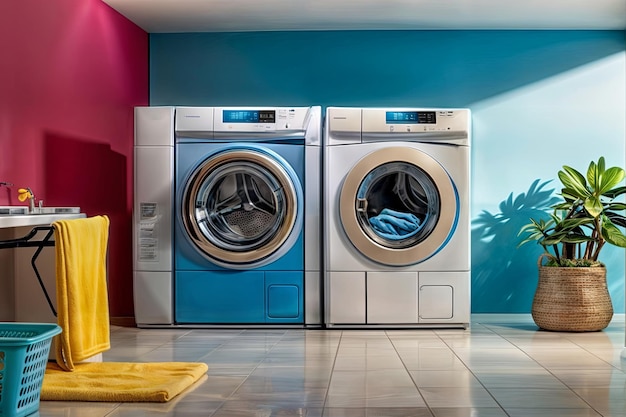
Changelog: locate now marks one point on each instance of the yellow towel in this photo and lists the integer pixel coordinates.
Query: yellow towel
(120, 381)
(82, 301)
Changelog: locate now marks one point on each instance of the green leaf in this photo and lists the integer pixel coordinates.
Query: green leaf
(576, 239)
(563, 206)
(612, 234)
(615, 206)
(609, 179)
(593, 205)
(574, 182)
(531, 238)
(555, 237)
(594, 172)
(615, 192)
(588, 203)
(552, 240)
(616, 219)
(568, 225)
(536, 230)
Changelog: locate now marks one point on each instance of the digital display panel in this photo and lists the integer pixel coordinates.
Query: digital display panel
(411, 117)
(249, 116)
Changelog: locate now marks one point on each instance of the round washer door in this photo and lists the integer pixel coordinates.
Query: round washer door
(398, 206)
(242, 208)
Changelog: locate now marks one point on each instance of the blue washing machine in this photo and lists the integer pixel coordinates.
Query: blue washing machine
(245, 228)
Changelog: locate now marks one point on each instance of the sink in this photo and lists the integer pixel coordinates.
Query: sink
(23, 210)
(18, 216)
(13, 210)
(56, 210)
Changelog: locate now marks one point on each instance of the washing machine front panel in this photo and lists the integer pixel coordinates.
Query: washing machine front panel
(398, 206)
(351, 134)
(202, 289)
(241, 207)
(408, 266)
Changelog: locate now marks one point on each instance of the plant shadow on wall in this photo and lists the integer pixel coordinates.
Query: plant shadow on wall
(501, 270)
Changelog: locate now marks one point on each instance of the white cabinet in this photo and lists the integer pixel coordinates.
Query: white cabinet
(347, 298)
(444, 298)
(391, 297)
(399, 298)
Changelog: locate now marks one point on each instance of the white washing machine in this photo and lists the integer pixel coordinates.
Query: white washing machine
(397, 232)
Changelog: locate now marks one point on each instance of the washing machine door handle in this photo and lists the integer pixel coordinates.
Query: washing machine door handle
(250, 196)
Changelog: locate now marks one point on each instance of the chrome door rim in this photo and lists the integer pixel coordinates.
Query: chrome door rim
(289, 224)
(420, 251)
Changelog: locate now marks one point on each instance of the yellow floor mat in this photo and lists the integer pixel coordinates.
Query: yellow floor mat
(120, 381)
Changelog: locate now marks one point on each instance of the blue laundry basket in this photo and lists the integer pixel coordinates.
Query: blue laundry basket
(24, 349)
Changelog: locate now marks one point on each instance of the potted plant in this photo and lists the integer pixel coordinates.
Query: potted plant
(572, 293)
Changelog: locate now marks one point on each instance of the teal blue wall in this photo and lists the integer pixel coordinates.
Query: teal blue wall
(539, 99)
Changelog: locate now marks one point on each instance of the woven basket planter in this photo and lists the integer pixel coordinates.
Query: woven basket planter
(572, 299)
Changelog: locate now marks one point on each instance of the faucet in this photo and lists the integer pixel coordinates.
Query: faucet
(6, 184)
(31, 201)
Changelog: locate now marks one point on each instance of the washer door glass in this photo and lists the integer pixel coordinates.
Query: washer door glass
(241, 207)
(398, 206)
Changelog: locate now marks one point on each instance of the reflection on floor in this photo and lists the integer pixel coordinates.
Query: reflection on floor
(502, 366)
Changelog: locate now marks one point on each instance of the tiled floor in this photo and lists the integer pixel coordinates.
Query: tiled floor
(502, 366)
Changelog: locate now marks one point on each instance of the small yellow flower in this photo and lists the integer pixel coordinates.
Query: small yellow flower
(23, 194)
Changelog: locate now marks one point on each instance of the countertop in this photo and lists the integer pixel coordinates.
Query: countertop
(35, 219)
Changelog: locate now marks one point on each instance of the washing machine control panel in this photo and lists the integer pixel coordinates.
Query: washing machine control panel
(204, 122)
(411, 117)
(249, 116)
(409, 121)
(356, 125)
(242, 119)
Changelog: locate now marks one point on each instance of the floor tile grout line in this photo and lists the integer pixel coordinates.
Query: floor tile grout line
(332, 371)
(551, 373)
(226, 400)
(512, 335)
(111, 412)
(430, 410)
(472, 372)
(591, 353)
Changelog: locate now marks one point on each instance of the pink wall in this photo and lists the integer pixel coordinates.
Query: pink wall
(71, 72)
